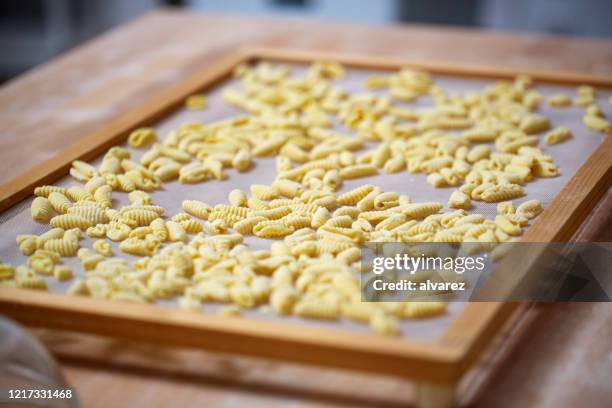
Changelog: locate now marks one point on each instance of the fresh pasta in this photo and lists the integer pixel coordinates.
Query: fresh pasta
(314, 214)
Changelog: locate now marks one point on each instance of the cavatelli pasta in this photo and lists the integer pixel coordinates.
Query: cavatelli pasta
(141, 216)
(264, 192)
(64, 247)
(191, 226)
(283, 299)
(506, 225)
(272, 213)
(176, 232)
(76, 193)
(59, 202)
(530, 209)
(387, 200)
(94, 215)
(228, 213)
(358, 171)
(82, 171)
(384, 324)
(506, 208)
(459, 199)
(135, 246)
(103, 195)
(141, 137)
(117, 231)
(271, 229)
(41, 209)
(417, 310)
(67, 221)
(62, 273)
(44, 191)
(502, 193)
(421, 210)
(287, 188)
(316, 309)
(102, 247)
(557, 135)
(95, 183)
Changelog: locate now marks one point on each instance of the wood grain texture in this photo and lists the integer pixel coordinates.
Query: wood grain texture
(276, 340)
(116, 130)
(41, 104)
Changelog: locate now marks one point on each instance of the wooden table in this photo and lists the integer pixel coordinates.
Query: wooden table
(563, 360)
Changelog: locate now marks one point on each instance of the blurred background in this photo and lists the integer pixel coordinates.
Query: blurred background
(32, 31)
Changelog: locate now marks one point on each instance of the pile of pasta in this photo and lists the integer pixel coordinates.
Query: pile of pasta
(484, 144)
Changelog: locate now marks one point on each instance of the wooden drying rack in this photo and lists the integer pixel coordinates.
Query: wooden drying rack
(437, 367)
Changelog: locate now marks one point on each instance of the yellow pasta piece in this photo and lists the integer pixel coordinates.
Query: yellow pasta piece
(271, 229)
(286, 188)
(238, 198)
(82, 171)
(67, 221)
(59, 202)
(117, 231)
(387, 200)
(283, 299)
(102, 247)
(597, 123)
(137, 246)
(358, 171)
(421, 210)
(196, 102)
(140, 216)
(459, 199)
(502, 193)
(64, 247)
(138, 197)
(41, 209)
(27, 279)
(176, 232)
(76, 193)
(45, 191)
(94, 215)
(530, 209)
(559, 101)
(417, 310)
(385, 325)
(158, 226)
(142, 137)
(191, 226)
(507, 226)
(62, 272)
(264, 192)
(557, 135)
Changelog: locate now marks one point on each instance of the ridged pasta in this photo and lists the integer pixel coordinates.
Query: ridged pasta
(417, 310)
(264, 192)
(44, 191)
(530, 209)
(67, 221)
(272, 229)
(64, 247)
(358, 171)
(59, 202)
(41, 209)
(94, 215)
(502, 193)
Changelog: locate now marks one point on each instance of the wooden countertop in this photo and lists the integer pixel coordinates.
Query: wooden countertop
(563, 360)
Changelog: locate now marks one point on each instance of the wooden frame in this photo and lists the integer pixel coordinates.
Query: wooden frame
(438, 366)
